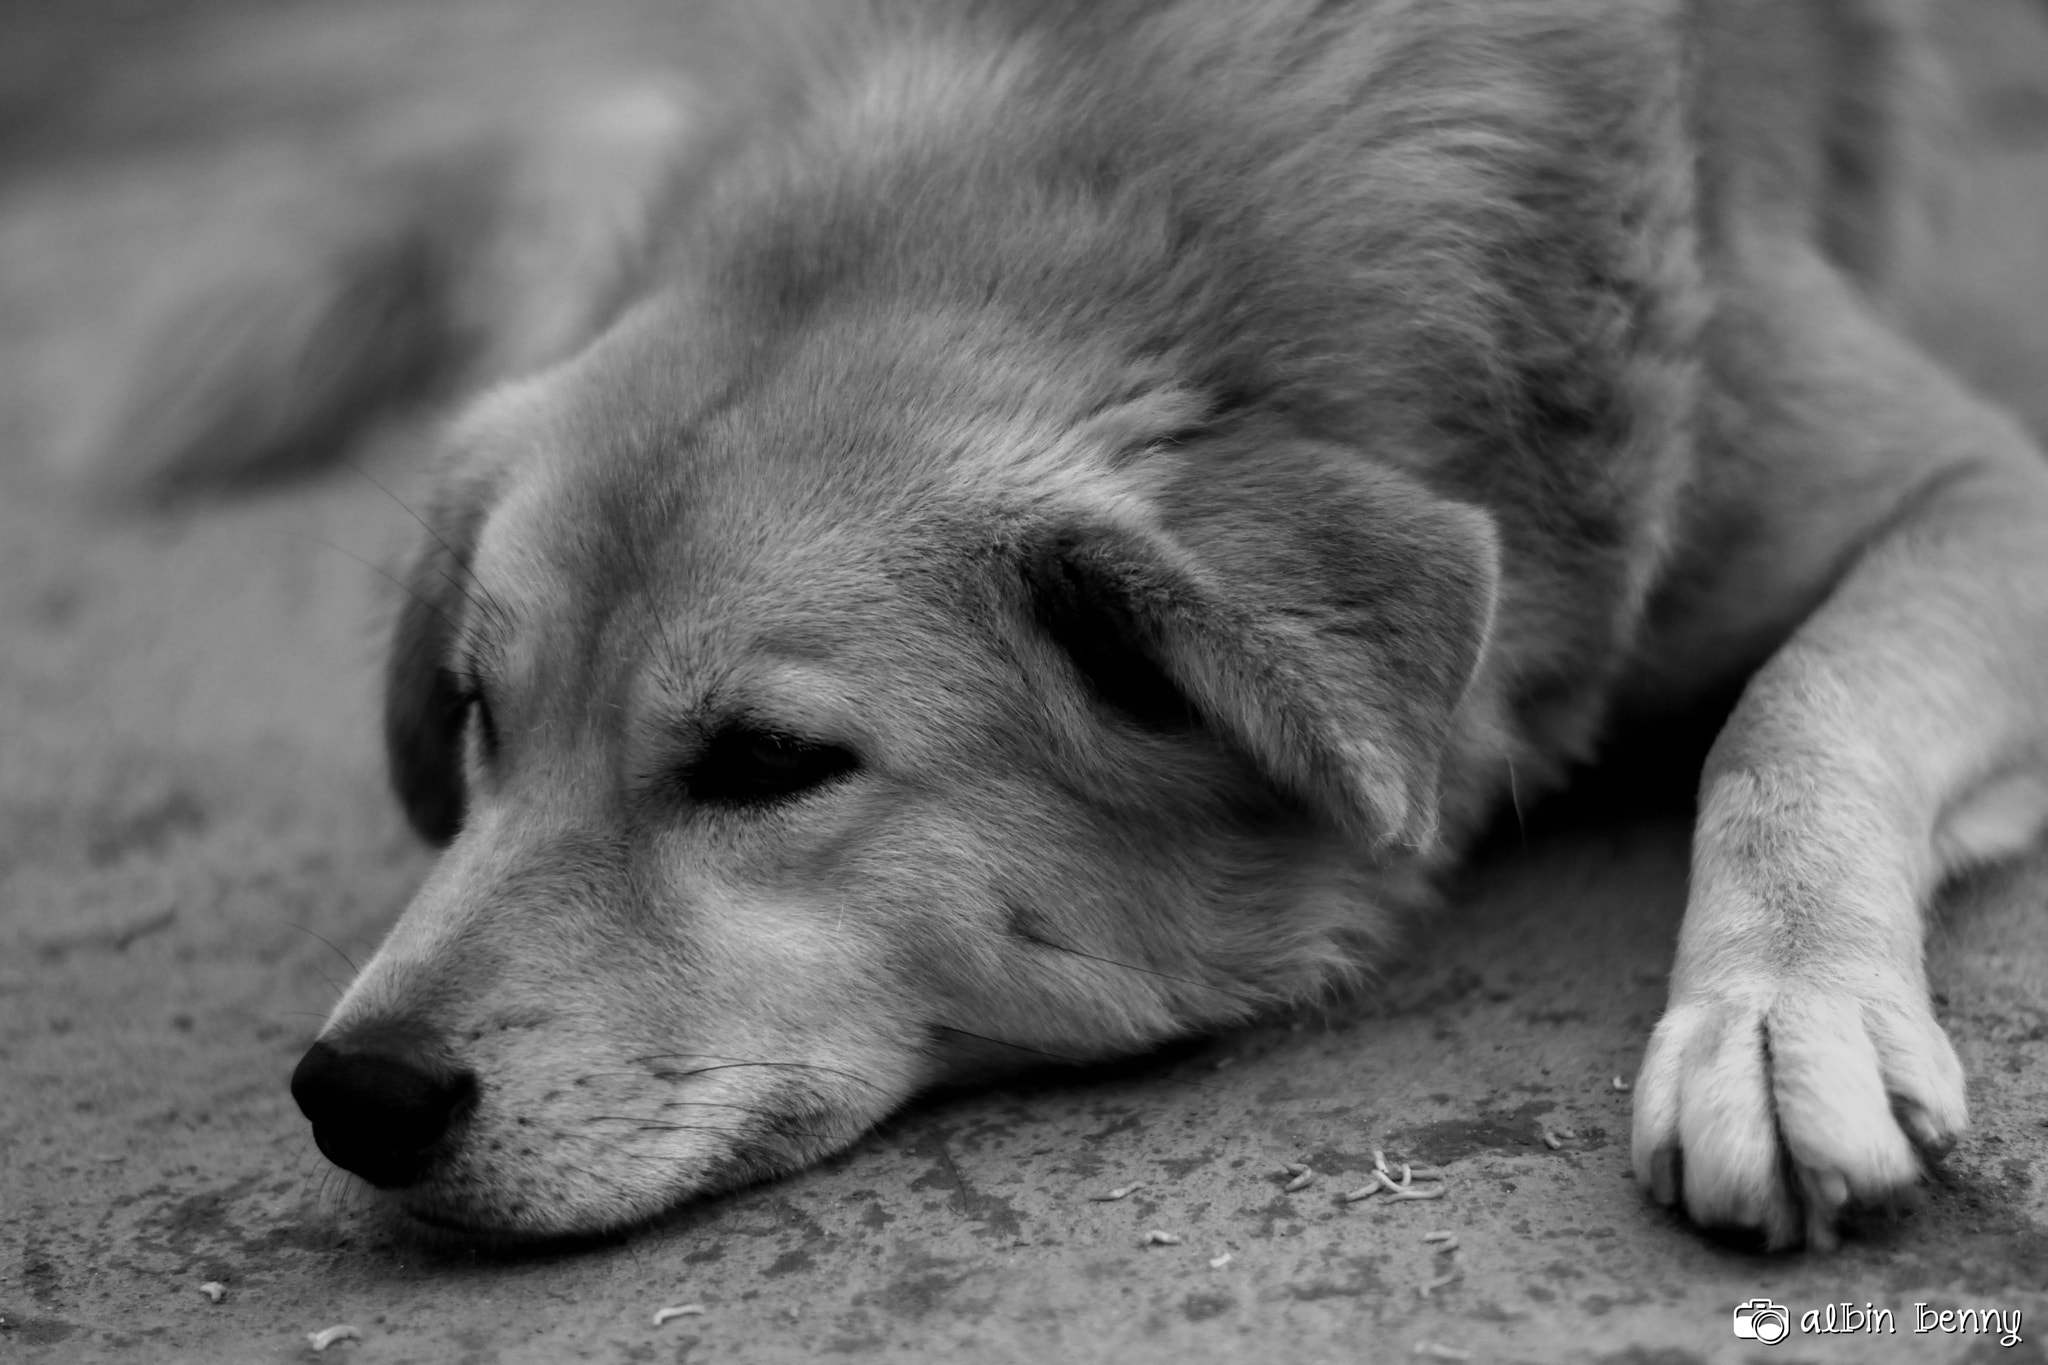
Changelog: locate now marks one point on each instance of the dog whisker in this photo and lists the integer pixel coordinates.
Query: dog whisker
(730, 1064)
(337, 952)
(1021, 1047)
(660, 1158)
(572, 1135)
(713, 1104)
(488, 603)
(382, 573)
(648, 1124)
(622, 1076)
(643, 1126)
(1043, 942)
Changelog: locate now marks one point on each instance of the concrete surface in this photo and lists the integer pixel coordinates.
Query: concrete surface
(194, 841)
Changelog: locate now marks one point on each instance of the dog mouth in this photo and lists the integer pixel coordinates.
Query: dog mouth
(489, 1188)
(513, 1160)
(563, 1194)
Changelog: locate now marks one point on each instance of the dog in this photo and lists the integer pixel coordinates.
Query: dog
(1041, 528)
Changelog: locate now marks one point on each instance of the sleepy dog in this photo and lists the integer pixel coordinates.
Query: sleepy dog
(1045, 528)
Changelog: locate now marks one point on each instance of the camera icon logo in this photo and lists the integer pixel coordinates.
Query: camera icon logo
(1762, 1320)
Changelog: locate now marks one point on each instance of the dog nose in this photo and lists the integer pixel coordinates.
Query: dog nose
(377, 1113)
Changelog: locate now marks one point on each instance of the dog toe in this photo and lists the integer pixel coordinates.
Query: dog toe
(1780, 1112)
(1665, 1180)
(1933, 1136)
(1654, 1149)
(1704, 1135)
(1924, 1078)
(1825, 1195)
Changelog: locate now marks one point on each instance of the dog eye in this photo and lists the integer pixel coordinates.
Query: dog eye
(742, 766)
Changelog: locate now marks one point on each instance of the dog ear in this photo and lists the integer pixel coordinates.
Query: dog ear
(424, 706)
(1323, 614)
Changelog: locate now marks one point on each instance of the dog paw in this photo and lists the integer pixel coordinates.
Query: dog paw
(1775, 1109)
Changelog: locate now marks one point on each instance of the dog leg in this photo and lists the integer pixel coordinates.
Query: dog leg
(1901, 733)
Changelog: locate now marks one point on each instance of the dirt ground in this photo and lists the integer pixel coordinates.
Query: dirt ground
(195, 841)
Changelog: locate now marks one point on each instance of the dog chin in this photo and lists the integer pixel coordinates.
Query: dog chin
(439, 1229)
(525, 1208)
(434, 1218)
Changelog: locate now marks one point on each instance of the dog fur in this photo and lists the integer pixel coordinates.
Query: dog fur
(1040, 532)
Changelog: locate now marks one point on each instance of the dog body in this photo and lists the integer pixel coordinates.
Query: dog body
(1044, 534)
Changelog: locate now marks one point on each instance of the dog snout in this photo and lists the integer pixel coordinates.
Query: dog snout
(378, 1111)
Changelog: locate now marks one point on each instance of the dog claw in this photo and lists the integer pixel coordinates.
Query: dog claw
(1932, 1139)
(1825, 1196)
(1820, 1226)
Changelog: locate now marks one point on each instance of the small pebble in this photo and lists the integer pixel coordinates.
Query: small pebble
(1156, 1238)
(1218, 1262)
(1118, 1193)
(214, 1290)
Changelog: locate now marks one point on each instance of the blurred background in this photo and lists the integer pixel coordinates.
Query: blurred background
(195, 841)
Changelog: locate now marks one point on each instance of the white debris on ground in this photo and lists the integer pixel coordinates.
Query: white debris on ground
(1383, 1182)
(327, 1336)
(684, 1310)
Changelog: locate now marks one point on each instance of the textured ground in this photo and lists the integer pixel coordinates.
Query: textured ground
(194, 838)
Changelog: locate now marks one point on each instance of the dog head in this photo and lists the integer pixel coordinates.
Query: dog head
(875, 718)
